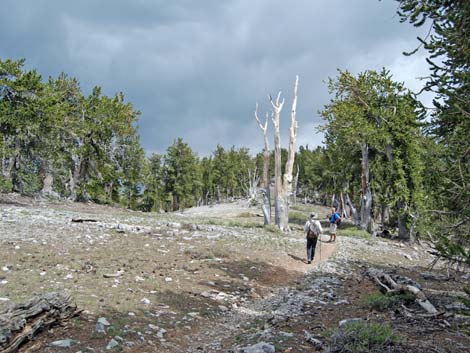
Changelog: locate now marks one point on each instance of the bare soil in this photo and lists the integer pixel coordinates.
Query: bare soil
(209, 279)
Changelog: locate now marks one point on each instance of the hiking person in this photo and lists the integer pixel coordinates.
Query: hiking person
(313, 230)
(335, 219)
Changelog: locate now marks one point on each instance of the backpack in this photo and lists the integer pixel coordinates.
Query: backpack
(339, 220)
(313, 231)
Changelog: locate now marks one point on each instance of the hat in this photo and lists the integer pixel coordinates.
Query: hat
(313, 215)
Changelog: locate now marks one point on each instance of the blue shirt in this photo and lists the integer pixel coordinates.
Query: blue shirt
(334, 217)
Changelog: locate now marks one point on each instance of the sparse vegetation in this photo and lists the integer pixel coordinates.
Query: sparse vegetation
(362, 336)
(383, 302)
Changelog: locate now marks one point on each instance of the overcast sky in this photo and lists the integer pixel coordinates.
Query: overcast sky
(195, 69)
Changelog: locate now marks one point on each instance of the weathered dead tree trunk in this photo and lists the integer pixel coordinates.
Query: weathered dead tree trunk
(353, 209)
(253, 181)
(22, 322)
(283, 184)
(278, 201)
(366, 199)
(265, 182)
(388, 285)
(296, 185)
(344, 214)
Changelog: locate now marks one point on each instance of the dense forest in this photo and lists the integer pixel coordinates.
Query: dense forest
(387, 159)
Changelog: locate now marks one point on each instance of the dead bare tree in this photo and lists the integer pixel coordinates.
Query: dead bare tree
(253, 181)
(265, 182)
(283, 184)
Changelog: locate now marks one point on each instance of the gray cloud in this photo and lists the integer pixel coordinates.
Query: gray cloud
(195, 69)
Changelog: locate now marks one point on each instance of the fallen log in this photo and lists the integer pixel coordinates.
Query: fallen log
(390, 286)
(83, 220)
(446, 293)
(21, 322)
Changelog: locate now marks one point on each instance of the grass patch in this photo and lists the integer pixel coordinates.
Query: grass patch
(297, 217)
(353, 232)
(381, 302)
(361, 336)
(246, 215)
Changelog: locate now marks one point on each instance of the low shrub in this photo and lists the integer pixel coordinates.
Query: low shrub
(383, 302)
(362, 336)
(297, 217)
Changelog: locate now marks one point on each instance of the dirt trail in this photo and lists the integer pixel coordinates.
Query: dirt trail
(209, 279)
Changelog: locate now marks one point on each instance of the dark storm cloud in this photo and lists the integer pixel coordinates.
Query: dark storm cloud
(195, 69)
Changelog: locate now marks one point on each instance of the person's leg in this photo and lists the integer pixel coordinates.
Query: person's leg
(332, 232)
(314, 245)
(309, 250)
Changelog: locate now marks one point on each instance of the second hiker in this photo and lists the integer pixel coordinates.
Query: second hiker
(313, 230)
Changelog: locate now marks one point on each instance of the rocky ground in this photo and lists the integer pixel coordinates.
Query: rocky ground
(212, 279)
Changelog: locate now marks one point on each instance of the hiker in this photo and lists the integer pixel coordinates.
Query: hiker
(334, 221)
(313, 230)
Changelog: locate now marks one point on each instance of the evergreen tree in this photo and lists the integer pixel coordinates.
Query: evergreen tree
(448, 45)
(181, 175)
(372, 121)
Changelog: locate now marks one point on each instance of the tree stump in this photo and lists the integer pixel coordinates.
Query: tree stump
(20, 323)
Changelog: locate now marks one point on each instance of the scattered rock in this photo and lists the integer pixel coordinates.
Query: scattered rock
(67, 343)
(112, 344)
(145, 301)
(312, 340)
(261, 347)
(223, 308)
(348, 321)
(139, 279)
(113, 275)
(161, 332)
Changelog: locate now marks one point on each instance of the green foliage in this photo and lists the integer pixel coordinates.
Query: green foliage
(383, 302)
(181, 176)
(448, 168)
(87, 146)
(373, 110)
(353, 232)
(297, 217)
(361, 336)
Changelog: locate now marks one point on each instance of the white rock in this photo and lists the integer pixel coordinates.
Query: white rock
(103, 321)
(145, 301)
(168, 279)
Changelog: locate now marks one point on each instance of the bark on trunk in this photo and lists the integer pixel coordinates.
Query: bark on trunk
(48, 179)
(343, 208)
(74, 177)
(22, 322)
(278, 205)
(266, 207)
(403, 231)
(366, 200)
(283, 184)
(387, 284)
(265, 182)
(354, 213)
(296, 185)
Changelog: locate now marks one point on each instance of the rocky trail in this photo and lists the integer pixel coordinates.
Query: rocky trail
(212, 279)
